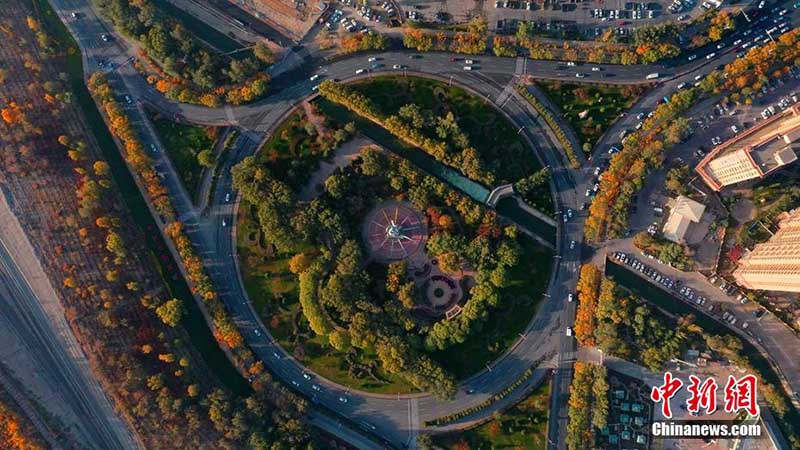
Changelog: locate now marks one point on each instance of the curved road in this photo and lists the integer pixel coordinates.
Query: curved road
(397, 419)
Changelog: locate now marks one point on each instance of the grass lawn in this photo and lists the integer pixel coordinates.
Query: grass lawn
(182, 143)
(489, 132)
(602, 104)
(518, 305)
(524, 426)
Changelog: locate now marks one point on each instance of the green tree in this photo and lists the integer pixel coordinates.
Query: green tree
(170, 312)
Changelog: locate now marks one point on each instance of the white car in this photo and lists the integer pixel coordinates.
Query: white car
(343, 399)
(711, 55)
(580, 75)
(570, 297)
(569, 331)
(570, 64)
(257, 332)
(227, 197)
(691, 57)
(306, 376)
(154, 148)
(468, 61)
(224, 223)
(467, 67)
(572, 245)
(372, 59)
(596, 69)
(314, 77)
(397, 66)
(360, 71)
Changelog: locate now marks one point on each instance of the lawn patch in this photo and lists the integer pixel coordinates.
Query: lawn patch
(590, 109)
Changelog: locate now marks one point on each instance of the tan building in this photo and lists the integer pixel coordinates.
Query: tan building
(683, 211)
(755, 152)
(774, 265)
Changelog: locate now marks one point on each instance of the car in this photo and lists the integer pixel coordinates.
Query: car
(316, 387)
(372, 59)
(105, 37)
(470, 391)
(314, 77)
(570, 64)
(153, 148)
(595, 187)
(588, 192)
(711, 55)
(596, 69)
(128, 99)
(572, 245)
(224, 223)
(343, 399)
(569, 212)
(397, 66)
(467, 67)
(640, 116)
(737, 42)
(580, 75)
(699, 77)
(276, 355)
(360, 71)
(613, 149)
(745, 325)
(315, 88)
(295, 384)
(735, 129)
(257, 332)
(74, 15)
(691, 58)
(469, 61)
(761, 4)
(570, 297)
(597, 171)
(569, 331)
(720, 46)
(565, 218)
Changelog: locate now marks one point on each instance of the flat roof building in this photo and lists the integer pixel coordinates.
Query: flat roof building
(683, 211)
(774, 265)
(755, 152)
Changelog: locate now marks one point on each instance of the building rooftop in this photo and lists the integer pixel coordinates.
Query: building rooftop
(683, 211)
(755, 152)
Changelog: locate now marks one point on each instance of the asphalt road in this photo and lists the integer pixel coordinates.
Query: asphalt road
(397, 419)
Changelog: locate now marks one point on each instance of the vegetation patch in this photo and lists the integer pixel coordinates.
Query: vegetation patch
(190, 148)
(590, 109)
(523, 426)
(323, 282)
(569, 150)
(450, 124)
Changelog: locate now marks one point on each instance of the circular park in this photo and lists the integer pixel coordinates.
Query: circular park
(366, 264)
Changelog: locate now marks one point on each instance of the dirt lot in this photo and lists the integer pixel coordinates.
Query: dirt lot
(293, 19)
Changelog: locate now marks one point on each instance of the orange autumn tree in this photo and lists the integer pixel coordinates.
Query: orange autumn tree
(13, 435)
(588, 285)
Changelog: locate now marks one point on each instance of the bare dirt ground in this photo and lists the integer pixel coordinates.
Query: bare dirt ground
(292, 19)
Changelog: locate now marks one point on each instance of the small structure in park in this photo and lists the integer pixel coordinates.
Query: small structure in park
(396, 231)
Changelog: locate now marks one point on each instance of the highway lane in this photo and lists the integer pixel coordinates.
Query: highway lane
(98, 428)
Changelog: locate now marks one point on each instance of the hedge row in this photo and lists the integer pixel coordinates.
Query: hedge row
(485, 404)
(569, 150)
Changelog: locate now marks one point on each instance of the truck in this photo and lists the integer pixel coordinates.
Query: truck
(651, 76)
